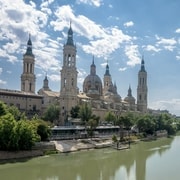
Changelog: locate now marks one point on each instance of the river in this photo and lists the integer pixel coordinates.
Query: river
(155, 160)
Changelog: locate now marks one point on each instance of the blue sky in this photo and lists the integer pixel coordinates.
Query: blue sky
(117, 31)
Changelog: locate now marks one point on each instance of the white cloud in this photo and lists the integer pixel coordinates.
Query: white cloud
(110, 6)
(152, 48)
(172, 105)
(178, 57)
(104, 64)
(133, 54)
(128, 24)
(96, 3)
(168, 44)
(54, 77)
(171, 41)
(107, 43)
(10, 58)
(80, 24)
(177, 30)
(169, 48)
(1, 70)
(123, 69)
(2, 82)
(17, 20)
(101, 41)
(81, 76)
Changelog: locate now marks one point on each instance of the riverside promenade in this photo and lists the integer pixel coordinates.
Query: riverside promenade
(81, 144)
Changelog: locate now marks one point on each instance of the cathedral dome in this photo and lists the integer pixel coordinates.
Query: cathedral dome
(130, 99)
(92, 85)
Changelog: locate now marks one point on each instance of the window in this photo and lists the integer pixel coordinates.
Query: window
(34, 107)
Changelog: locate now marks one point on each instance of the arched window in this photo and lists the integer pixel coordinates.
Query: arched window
(30, 86)
(140, 97)
(69, 60)
(64, 82)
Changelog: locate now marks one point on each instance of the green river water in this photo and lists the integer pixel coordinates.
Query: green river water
(155, 160)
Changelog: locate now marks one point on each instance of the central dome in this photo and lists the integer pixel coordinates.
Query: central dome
(92, 85)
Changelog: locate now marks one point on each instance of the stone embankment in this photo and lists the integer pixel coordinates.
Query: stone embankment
(38, 150)
(83, 144)
(8, 155)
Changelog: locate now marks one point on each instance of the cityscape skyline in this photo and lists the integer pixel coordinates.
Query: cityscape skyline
(111, 31)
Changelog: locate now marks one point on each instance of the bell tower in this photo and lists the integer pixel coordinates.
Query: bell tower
(108, 85)
(68, 90)
(28, 77)
(142, 89)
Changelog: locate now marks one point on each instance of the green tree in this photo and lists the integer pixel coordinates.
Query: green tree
(43, 130)
(75, 112)
(92, 124)
(52, 113)
(146, 124)
(85, 113)
(3, 109)
(8, 138)
(16, 113)
(126, 121)
(110, 117)
(27, 135)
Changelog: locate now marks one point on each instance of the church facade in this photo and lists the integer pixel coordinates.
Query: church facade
(101, 95)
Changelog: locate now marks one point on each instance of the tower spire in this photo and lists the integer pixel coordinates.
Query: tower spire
(142, 89)
(93, 67)
(142, 64)
(70, 36)
(129, 91)
(28, 77)
(29, 47)
(107, 70)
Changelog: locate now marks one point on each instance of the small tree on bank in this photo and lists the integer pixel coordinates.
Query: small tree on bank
(85, 113)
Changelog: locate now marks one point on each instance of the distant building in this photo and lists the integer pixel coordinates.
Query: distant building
(25, 100)
(102, 97)
(49, 96)
(142, 89)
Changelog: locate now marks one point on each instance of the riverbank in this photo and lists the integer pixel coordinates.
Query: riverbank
(40, 149)
(64, 146)
(7, 155)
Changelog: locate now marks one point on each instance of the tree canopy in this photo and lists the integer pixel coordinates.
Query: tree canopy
(18, 133)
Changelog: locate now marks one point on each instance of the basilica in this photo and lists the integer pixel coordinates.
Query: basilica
(101, 95)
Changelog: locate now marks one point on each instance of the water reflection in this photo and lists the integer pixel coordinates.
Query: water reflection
(104, 164)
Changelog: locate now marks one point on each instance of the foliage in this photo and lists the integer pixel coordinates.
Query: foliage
(110, 117)
(7, 133)
(52, 113)
(3, 108)
(151, 123)
(21, 134)
(85, 113)
(126, 121)
(43, 131)
(92, 124)
(146, 124)
(75, 112)
(16, 113)
(26, 135)
(114, 138)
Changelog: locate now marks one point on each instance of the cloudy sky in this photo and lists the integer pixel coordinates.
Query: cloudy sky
(119, 32)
